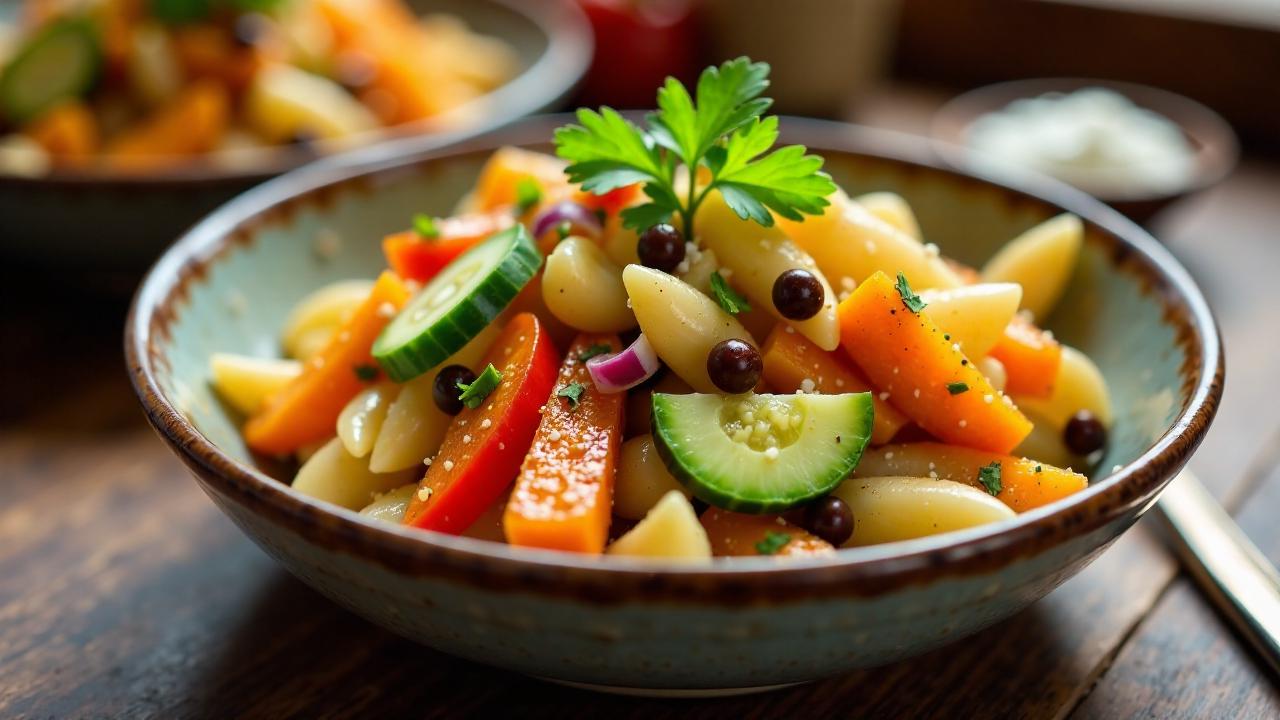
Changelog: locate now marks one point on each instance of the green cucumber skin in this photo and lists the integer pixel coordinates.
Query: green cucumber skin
(431, 346)
(18, 111)
(681, 467)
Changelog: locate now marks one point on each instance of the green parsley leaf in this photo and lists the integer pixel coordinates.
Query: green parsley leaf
(593, 350)
(773, 542)
(956, 388)
(989, 476)
(909, 298)
(573, 393)
(474, 394)
(425, 226)
(1039, 469)
(562, 230)
(721, 130)
(528, 194)
(729, 299)
(366, 373)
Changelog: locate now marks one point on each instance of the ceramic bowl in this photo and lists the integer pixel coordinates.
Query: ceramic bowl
(100, 218)
(741, 623)
(1211, 138)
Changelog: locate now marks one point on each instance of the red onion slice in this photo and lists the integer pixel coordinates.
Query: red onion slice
(582, 220)
(625, 370)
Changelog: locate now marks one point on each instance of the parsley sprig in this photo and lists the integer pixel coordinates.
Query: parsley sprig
(721, 130)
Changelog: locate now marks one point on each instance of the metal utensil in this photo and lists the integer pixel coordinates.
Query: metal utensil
(1226, 565)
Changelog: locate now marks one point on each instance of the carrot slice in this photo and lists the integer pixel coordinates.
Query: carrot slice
(1031, 358)
(484, 446)
(1025, 483)
(68, 132)
(564, 493)
(414, 257)
(508, 166)
(923, 373)
(735, 534)
(192, 123)
(790, 359)
(307, 409)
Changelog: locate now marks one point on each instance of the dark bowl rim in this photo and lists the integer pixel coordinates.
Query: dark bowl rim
(548, 80)
(1189, 112)
(1122, 496)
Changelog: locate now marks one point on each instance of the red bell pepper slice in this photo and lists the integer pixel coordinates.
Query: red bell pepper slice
(414, 257)
(484, 447)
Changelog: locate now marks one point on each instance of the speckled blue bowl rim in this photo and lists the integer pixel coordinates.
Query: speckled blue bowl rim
(869, 571)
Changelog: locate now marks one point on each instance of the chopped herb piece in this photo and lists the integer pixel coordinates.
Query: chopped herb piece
(425, 226)
(1039, 469)
(573, 393)
(719, 128)
(528, 194)
(909, 298)
(956, 388)
(562, 230)
(989, 476)
(773, 542)
(593, 350)
(729, 299)
(475, 393)
(366, 373)
(946, 336)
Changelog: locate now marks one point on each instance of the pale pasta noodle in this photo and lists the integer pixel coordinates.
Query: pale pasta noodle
(975, 316)
(681, 323)
(583, 288)
(888, 509)
(757, 255)
(1041, 260)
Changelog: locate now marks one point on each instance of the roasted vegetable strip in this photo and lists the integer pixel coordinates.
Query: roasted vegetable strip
(564, 493)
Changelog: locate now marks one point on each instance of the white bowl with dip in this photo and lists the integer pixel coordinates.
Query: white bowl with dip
(1137, 148)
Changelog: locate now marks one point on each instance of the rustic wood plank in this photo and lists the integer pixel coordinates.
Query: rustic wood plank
(1183, 661)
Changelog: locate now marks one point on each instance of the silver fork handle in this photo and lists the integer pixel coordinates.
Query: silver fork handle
(1226, 565)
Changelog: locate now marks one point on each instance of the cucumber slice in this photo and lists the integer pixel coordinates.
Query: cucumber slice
(457, 304)
(761, 453)
(58, 63)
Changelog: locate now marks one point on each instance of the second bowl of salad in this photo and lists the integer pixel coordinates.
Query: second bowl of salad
(675, 403)
(122, 121)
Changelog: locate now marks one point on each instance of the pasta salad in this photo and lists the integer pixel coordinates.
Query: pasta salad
(142, 84)
(673, 340)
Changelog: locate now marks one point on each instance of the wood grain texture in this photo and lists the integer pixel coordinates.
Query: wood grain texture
(124, 592)
(1184, 661)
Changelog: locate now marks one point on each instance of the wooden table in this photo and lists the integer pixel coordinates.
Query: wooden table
(125, 593)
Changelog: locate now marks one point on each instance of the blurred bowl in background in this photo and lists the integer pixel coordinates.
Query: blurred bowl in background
(111, 219)
(825, 54)
(1211, 144)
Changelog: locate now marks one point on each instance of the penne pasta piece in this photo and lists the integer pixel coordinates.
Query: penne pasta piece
(415, 425)
(847, 241)
(893, 209)
(362, 418)
(583, 288)
(1041, 260)
(319, 314)
(245, 382)
(1024, 483)
(681, 323)
(642, 479)
(893, 508)
(670, 531)
(975, 316)
(334, 475)
(390, 506)
(757, 255)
